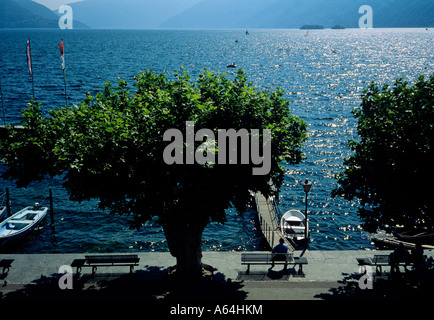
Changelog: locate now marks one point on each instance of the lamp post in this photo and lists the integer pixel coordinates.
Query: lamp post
(306, 187)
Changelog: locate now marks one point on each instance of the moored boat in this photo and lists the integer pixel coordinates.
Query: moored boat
(293, 226)
(21, 223)
(389, 243)
(422, 236)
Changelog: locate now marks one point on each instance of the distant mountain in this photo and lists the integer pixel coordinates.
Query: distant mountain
(295, 13)
(28, 14)
(128, 14)
(141, 14)
(225, 14)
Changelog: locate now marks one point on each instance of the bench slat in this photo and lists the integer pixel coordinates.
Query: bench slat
(264, 258)
(112, 259)
(106, 261)
(383, 260)
(267, 258)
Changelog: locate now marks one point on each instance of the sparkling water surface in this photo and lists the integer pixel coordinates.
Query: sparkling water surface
(322, 73)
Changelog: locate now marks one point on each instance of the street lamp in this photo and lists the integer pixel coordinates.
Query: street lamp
(306, 187)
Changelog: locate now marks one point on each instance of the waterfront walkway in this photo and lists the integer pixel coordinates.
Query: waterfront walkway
(329, 275)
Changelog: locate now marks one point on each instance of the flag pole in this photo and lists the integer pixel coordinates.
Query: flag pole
(29, 62)
(62, 58)
(33, 89)
(64, 80)
(33, 83)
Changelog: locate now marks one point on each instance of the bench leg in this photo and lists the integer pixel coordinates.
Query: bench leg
(378, 270)
(248, 269)
(77, 270)
(93, 270)
(131, 269)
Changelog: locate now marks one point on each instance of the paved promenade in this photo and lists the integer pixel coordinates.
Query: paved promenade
(328, 275)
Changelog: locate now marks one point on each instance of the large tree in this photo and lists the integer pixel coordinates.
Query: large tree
(391, 170)
(112, 147)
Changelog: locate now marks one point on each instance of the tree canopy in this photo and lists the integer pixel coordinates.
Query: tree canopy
(391, 169)
(110, 147)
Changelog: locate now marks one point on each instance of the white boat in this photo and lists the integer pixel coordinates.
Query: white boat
(21, 223)
(293, 225)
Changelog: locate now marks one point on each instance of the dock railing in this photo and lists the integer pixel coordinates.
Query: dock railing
(267, 211)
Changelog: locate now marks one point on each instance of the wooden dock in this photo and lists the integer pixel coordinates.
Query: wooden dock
(269, 221)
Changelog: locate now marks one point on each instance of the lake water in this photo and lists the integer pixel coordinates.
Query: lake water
(323, 73)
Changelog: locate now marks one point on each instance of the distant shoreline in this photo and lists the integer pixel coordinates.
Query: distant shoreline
(210, 29)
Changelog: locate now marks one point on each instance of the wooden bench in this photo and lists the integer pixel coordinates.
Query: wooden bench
(104, 260)
(6, 264)
(259, 258)
(383, 260)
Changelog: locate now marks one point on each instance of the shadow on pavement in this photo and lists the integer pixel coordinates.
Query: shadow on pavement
(269, 275)
(401, 286)
(151, 284)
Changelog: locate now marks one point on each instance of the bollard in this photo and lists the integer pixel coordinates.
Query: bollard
(51, 208)
(8, 203)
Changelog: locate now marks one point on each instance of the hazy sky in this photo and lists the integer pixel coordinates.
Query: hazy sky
(55, 4)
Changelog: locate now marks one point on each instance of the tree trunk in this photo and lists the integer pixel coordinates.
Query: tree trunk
(185, 244)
